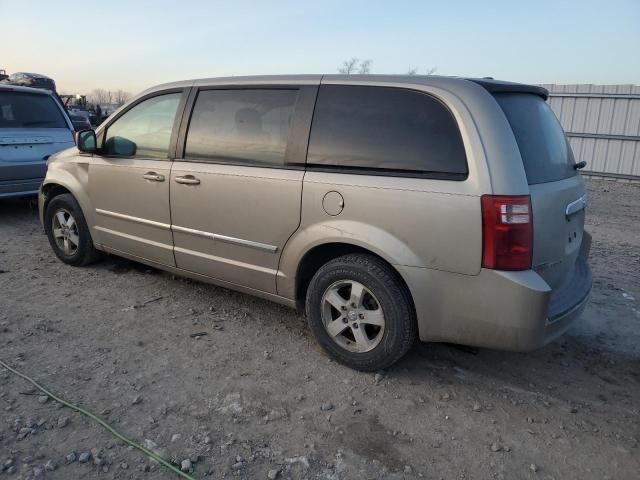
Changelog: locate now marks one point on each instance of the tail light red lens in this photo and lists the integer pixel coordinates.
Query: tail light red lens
(507, 232)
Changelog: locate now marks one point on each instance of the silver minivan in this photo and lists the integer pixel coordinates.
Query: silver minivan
(388, 208)
(33, 126)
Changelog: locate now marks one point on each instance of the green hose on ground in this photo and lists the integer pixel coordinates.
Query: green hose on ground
(114, 432)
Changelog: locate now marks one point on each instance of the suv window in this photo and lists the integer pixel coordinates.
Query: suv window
(145, 130)
(385, 129)
(28, 110)
(241, 126)
(545, 151)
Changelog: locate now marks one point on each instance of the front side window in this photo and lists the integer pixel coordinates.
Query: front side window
(247, 126)
(28, 110)
(383, 129)
(145, 130)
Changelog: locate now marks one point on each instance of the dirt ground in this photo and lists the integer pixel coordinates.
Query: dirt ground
(256, 398)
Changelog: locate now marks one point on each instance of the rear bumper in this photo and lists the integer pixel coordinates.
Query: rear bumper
(18, 188)
(21, 178)
(571, 294)
(514, 311)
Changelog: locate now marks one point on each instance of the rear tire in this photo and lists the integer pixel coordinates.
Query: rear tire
(68, 233)
(360, 312)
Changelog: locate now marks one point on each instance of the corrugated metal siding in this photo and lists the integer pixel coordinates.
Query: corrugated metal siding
(603, 125)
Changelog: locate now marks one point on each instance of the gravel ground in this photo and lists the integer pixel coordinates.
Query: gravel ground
(256, 398)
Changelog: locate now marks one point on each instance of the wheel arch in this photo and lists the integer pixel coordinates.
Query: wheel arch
(317, 256)
(51, 190)
(65, 183)
(334, 237)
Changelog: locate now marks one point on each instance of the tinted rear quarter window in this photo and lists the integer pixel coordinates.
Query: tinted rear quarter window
(545, 152)
(28, 110)
(382, 129)
(245, 126)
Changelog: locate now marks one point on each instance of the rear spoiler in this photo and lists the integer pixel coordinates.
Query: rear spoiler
(499, 86)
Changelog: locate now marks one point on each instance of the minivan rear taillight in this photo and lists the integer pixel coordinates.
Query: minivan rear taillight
(507, 232)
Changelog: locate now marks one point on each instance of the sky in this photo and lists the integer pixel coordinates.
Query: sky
(132, 45)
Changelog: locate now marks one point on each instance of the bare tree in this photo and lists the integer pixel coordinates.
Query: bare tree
(349, 66)
(121, 97)
(353, 65)
(98, 96)
(414, 71)
(365, 67)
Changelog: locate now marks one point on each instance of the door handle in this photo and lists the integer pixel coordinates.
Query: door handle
(188, 180)
(153, 176)
(576, 206)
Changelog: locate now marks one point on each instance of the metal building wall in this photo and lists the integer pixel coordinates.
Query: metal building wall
(602, 123)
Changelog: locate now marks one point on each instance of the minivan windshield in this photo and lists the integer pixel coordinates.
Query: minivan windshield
(544, 149)
(29, 110)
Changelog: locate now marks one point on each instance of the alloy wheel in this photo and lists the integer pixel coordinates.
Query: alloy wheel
(65, 231)
(352, 316)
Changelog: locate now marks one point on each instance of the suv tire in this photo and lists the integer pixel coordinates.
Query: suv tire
(68, 233)
(360, 312)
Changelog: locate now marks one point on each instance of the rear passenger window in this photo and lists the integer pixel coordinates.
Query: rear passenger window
(384, 129)
(245, 126)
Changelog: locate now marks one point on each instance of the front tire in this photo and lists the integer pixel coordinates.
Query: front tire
(360, 312)
(68, 233)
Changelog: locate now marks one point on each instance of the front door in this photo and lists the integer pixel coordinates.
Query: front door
(235, 196)
(129, 181)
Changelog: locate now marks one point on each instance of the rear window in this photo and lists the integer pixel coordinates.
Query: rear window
(365, 129)
(544, 149)
(27, 110)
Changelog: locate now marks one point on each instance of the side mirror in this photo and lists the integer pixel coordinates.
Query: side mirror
(119, 147)
(86, 141)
